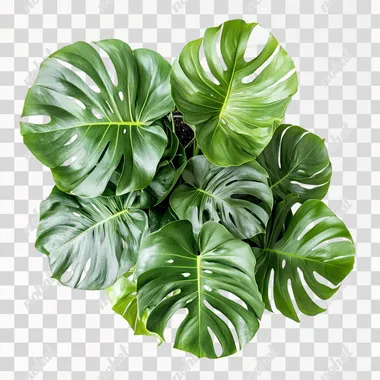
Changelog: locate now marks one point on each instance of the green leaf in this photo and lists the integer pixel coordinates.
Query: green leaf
(114, 126)
(173, 142)
(297, 162)
(316, 241)
(233, 103)
(163, 182)
(169, 171)
(123, 297)
(159, 217)
(175, 272)
(238, 197)
(278, 222)
(90, 242)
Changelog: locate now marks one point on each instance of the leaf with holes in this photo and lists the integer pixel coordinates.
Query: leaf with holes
(123, 297)
(133, 214)
(316, 244)
(92, 131)
(238, 197)
(177, 272)
(235, 101)
(90, 242)
(297, 162)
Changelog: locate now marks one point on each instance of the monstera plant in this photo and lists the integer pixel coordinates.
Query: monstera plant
(179, 189)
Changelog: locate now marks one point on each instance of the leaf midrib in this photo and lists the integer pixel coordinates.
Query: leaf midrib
(292, 255)
(105, 123)
(92, 227)
(293, 169)
(228, 93)
(204, 192)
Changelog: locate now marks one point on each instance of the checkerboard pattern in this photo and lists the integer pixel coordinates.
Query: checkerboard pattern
(51, 332)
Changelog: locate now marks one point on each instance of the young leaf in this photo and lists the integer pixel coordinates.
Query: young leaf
(297, 162)
(238, 197)
(159, 217)
(175, 271)
(163, 182)
(90, 242)
(173, 141)
(123, 297)
(234, 108)
(91, 132)
(316, 241)
(168, 172)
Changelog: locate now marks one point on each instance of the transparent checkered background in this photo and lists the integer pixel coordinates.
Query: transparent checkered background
(335, 46)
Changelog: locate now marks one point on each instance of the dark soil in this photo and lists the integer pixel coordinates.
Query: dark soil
(183, 131)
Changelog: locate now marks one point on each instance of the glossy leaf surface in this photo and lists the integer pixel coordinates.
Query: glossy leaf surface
(175, 272)
(234, 103)
(315, 243)
(94, 130)
(123, 297)
(237, 197)
(297, 162)
(90, 242)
